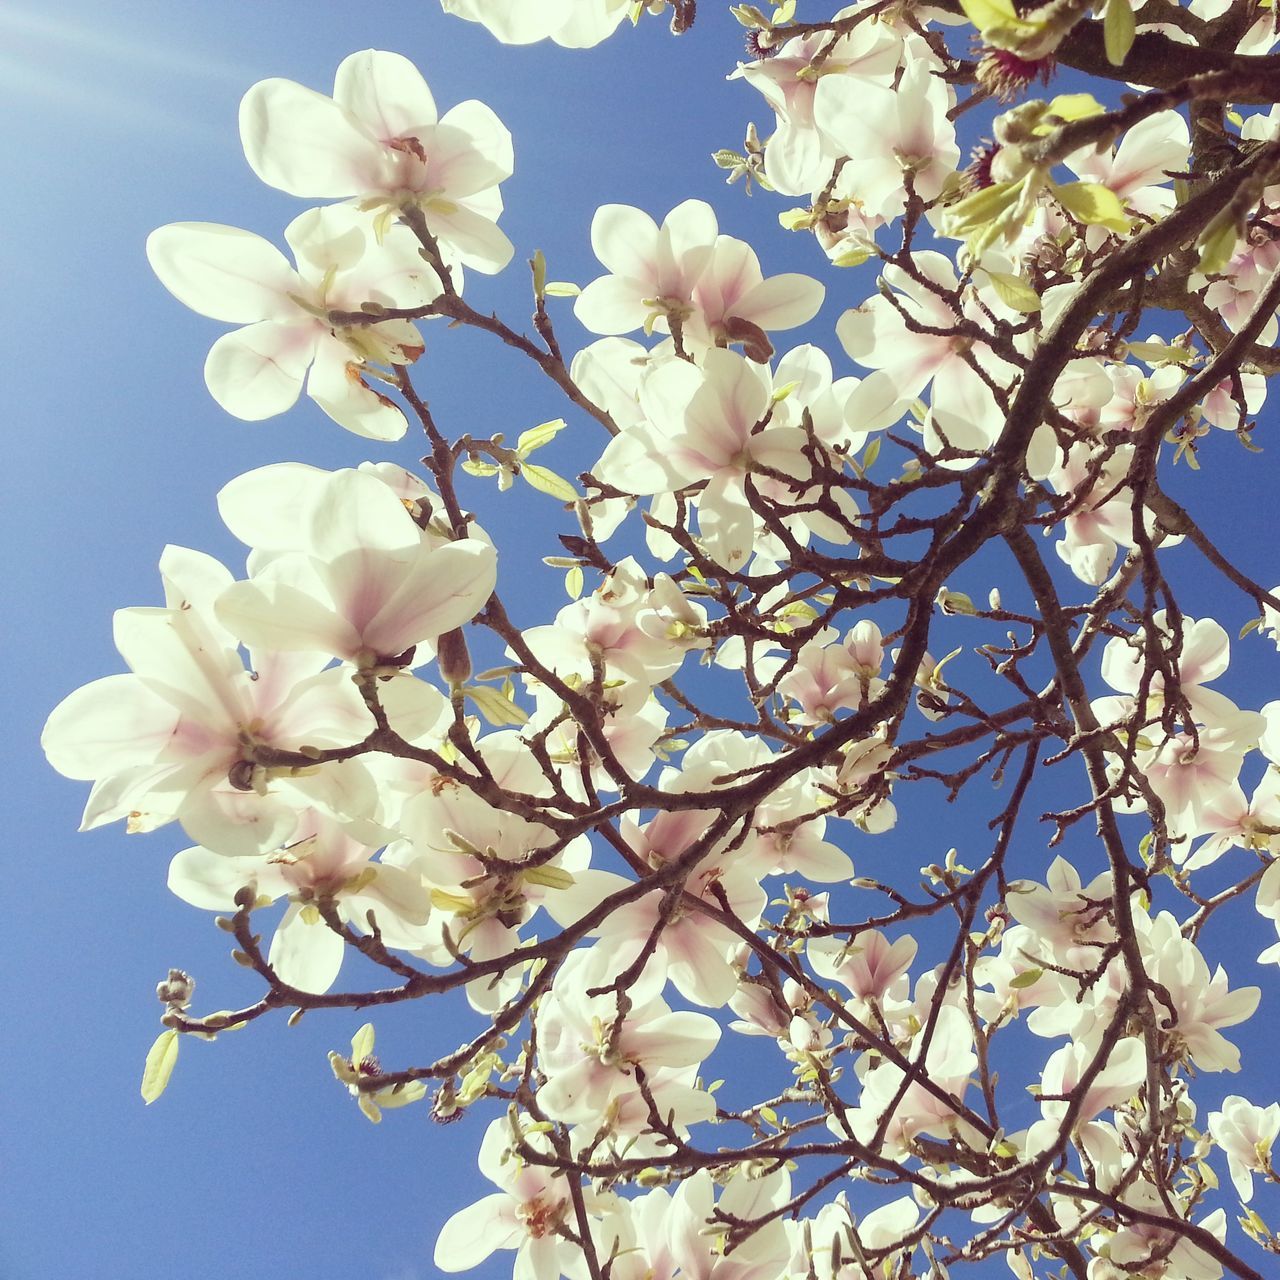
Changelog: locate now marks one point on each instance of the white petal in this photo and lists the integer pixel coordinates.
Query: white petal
(306, 956)
(272, 614)
(301, 142)
(385, 92)
(111, 724)
(256, 372)
(223, 273)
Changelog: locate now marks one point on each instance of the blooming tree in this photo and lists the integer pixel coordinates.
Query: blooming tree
(630, 840)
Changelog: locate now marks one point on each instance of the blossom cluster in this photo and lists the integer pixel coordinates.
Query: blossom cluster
(635, 876)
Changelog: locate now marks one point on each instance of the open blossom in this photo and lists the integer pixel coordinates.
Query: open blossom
(590, 1052)
(701, 424)
(684, 276)
(1246, 1133)
(178, 738)
(892, 136)
(523, 1214)
(258, 371)
(368, 588)
(322, 860)
(380, 139)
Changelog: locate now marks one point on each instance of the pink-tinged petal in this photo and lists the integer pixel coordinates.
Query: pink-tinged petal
(691, 228)
(306, 956)
(355, 511)
(444, 589)
(678, 1039)
(336, 385)
(272, 614)
(473, 1233)
(264, 507)
(470, 151)
(303, 143)
(400, 903)
(1206, 652)
(513, 21)
(210, 880)
(476, 239)
(257, 372)
(625, 240)
(189, 665)
(587, 25)
(385, 92)
(794, 160)
(111, 724)
(417, 711)
(726, 522)
(223, 273)
(782, 302)
(640, 461)
(321, 708)
(698, 962)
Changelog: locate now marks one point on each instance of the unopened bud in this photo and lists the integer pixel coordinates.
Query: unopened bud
(453, 658)
(176, 989)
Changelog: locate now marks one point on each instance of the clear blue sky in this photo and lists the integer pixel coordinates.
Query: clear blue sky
(120, 118)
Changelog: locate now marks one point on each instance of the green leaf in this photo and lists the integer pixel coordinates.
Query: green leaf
(474, 467)
(547, 481)
(1092, 203)
(1026, 979)
(161, 1059)
(496, 709)
(1217, 243)
(1014, 292)
(539, 268)
(562, 289)
(1118, 30)
(549, 877)
(537, 436)
(573, 582)
(980, 210)
(1159, 353)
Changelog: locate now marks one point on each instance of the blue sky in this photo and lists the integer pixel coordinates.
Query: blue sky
(254, 1163)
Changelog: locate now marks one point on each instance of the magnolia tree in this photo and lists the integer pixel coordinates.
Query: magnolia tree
(631, 840)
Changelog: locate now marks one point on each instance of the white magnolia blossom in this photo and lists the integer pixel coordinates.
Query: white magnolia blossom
(799, 597)
(380, 140)
(258, 371)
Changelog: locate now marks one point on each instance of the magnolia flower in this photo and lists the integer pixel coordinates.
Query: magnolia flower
(702, 425)
(523, 1215)
(258, 371)
(590, 1052)
(891, 136)
(321, 861)
(684, 276)
(379, 139)
(1245, 1132)
(178, 738)
(369, 588)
